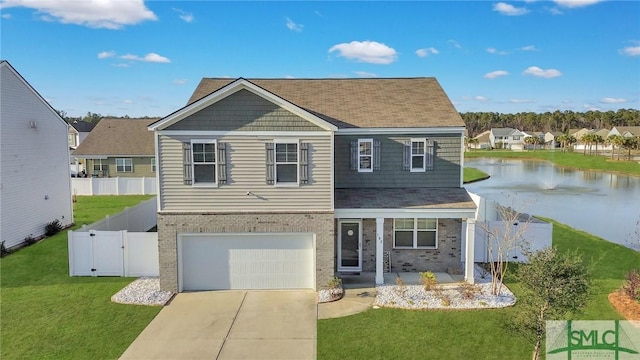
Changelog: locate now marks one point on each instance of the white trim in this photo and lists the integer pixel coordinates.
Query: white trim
(400, 130)
(124, 166)
(275, 163)
(244, 133)
(339, 247)
(405, 213)
(332, 171)
(194, 183)
(370, 169)
(424, 155)
(159, 172)
(379, 251)
(230, 89)
(414, 231)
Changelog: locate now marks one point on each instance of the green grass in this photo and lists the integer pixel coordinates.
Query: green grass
(46, 314)
(471, 334)
(471, 174)
(575, 160)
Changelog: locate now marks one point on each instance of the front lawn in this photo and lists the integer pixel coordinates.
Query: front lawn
(46, 314)
(469, 334)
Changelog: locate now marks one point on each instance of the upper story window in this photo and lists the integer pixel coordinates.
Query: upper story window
(203, 154)
(516, 137)
(365, 155)
(415, 233)
(124, 165)
(418, 155)
(286, 162)
(204, 162)
(418, 152)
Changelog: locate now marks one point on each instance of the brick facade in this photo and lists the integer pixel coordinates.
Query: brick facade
(170, 225)
(442, 259)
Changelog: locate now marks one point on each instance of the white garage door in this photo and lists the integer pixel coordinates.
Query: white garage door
(246, 261)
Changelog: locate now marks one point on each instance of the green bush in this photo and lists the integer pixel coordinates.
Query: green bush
(428, 279)
(30, 240)
(52, 228)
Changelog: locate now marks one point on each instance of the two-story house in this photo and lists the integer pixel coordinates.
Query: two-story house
(506, 138)
(282, 183)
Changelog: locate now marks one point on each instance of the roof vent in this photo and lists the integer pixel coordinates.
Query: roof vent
(33, 124)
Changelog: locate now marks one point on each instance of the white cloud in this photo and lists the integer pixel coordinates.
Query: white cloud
(366, 51)
(455, 44)
(576, 3)
(427, 51)
(291, 25)
(630, 51)
(186, 16)
(365, 74)
(521, 101)
(150, 57)
(106, 54)
(6, 16)
(536, 71)
(555, 11)
(495, 51)
(128, 101)
(480, 98)
(509, 10)
(495, 74)
(609, 100)
(180, 81)
(122, 65)
(529, 48)
(109, 14)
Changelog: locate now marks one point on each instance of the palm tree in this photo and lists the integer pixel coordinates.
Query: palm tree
(474, 142)
(629, 144)
(571, 140)
(530, 140)
(586, 139)
(616, 142)
(597, 139)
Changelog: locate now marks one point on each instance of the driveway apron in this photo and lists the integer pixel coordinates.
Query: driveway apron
(227, 325)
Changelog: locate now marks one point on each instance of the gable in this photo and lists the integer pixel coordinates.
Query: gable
(244, 111)
(113, 137)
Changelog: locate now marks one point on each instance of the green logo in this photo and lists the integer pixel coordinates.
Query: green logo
(619, 340)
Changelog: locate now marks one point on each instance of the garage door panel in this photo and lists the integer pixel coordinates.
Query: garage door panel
(217, 262)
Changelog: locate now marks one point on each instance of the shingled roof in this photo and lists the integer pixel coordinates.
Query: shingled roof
(359, 103)
(118, 137)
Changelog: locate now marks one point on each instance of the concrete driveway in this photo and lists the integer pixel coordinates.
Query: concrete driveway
(226, 325)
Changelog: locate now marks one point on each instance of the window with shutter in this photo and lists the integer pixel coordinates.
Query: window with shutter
(269, 173)
(203, 162)
(222, 163)
(304, 163)
(365, 155)
(186, 163)
(430, 155)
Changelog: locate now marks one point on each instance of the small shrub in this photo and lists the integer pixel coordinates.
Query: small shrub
(30, 240)
(334, 282)
(52, 228)
(401, 289)
(468, 291)
(631, 285)
(428, 279)
(445, 300)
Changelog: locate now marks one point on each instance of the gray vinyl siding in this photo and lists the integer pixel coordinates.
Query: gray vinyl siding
(244, 111)
(446, 163)
(245, 173)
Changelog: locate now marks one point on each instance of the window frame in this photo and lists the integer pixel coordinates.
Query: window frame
(423, 155)
(214, 163)
(360, 156)
(415, 232)
(153, 164)
(295, 142)
(124, 165)
(103, 170)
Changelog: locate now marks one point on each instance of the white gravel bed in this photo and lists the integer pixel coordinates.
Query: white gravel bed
(329, 295)
(143, 291)
(415, 297)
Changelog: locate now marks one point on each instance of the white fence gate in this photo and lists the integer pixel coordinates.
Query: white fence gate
(536, 236)
(114, 186)
(117, 245)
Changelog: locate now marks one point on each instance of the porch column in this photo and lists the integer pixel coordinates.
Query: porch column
(379, 251)
(469, 251)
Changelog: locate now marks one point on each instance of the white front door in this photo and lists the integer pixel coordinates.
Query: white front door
(350, 245)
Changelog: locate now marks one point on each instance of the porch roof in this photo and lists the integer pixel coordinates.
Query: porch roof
(399, 202)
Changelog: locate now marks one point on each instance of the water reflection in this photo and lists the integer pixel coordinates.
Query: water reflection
(604, 204)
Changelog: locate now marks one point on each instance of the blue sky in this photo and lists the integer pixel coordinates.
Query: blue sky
(137, 58)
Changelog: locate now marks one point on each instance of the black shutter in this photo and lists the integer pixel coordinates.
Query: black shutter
(269, 162)
(187, 176)
(376, 154)
(304, 163)
(429, 155)
(406, 155)
(222, 163)
(354, 155)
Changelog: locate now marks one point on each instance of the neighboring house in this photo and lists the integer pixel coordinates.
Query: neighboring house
(483, 140)
(550, 139)
(625, 131)
(35, 187)
(119, 147)
(282, 183)
(507, 138)
(78, 131)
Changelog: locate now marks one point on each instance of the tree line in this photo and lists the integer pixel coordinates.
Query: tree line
(560, 121)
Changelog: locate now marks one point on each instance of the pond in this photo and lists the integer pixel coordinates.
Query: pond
(600, 203)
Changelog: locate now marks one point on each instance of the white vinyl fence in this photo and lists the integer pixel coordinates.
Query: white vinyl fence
(117, 245)
(114, 186)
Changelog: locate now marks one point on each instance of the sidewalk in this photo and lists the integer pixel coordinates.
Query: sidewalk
(355, 300)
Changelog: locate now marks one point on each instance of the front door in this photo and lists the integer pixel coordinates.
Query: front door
(350, 245)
